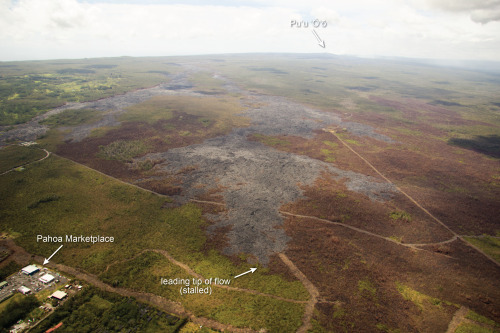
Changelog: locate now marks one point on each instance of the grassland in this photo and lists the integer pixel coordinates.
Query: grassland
(123, 150)
(72, 118)
(9, 269)
(354, 86)
(58, 197)
(490, 245)
(270, 140)
(32, 88)
(422, 301)
(216, 112)
(206, 84)
(236, 308)
(440, 120)
(399, 215)
(476, 323)
(15, 156)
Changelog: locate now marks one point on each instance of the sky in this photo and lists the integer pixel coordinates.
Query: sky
(67, 29)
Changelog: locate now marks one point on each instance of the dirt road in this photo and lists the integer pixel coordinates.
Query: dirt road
(47, 154)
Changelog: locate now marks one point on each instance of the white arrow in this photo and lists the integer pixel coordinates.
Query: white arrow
(250, 271)
(320, 42)
(46, 261)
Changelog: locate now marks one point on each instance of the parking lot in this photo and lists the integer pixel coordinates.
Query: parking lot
(32, 282)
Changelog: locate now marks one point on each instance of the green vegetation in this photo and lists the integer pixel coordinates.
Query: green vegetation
(398, 239)
(14, 298)
(9, 269)
(328, 155)
(479, 324)
(16, 309)
(270, 140)
(143, 273)
(123, 150)
(490, 245)
(385, 328)
(422, 301)
(474, 328)
(191, 327)
(352, 142)
(94, 310)
(367, 288)
(206, 84)
(215, 115)
(150, 111)
(45, 199)
(247, 310)
(339, 312)
(64, 198)
(14, 156)
(400, 215)
(91, 203)
(205, 122)
(331, 144)
(72, 117)
(34, 87)
(480, 319)
(356, 89)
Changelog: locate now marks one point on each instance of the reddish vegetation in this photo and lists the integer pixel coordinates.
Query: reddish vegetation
(163, 186)
(181, 130)
(454, 184)
(415, 109)
(312, 148)
(217, 239)
(213, 195)
(336, 259)
(330, 200)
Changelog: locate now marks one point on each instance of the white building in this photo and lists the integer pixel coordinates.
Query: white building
(30, 270)
(47, 278)
(24, 290)
(60, 295)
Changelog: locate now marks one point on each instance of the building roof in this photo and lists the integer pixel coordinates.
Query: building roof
(3, 283)
(54, 328)
(30, 269)
(24, 289)
(59, 294)
(47, 278)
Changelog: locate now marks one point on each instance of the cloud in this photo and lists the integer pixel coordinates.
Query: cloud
(485, 16)
(480, 11)
(464, 5)
(41, 29)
